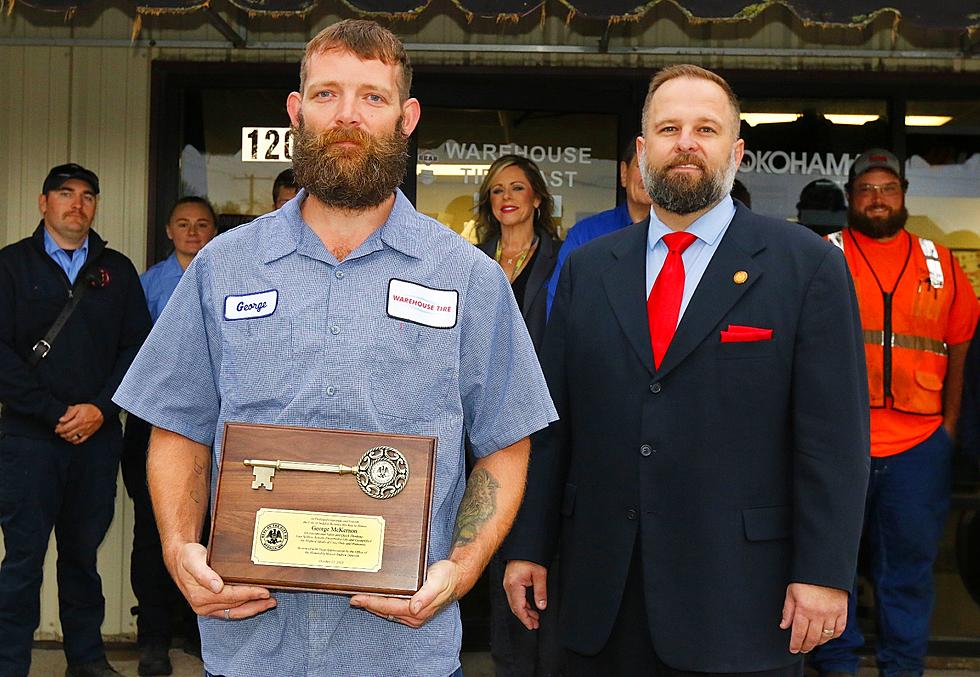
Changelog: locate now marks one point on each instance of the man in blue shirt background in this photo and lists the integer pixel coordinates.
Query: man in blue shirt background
(634, 209)
(60, 435)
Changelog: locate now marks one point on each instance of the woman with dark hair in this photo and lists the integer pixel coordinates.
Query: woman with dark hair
(515, 227)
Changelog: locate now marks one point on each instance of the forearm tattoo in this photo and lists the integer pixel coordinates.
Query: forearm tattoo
(198, 468)
(478, 505)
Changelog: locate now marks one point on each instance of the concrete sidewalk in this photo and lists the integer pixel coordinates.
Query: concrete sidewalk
(50, 662)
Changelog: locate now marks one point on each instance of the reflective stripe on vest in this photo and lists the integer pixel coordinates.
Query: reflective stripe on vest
(837, 239)
(923, 343)
(932, 262)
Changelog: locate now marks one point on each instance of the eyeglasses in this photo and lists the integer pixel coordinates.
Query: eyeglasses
(888, 189)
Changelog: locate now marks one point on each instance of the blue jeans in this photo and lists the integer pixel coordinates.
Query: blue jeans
(49, 484)
(908, 498)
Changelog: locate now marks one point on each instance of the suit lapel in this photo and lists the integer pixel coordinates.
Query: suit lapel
(625, 284)
(717, 292)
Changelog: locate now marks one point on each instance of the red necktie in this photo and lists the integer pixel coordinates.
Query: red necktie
(664, 303)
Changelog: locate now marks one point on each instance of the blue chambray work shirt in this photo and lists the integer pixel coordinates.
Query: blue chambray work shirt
(584, 231)
(709, 229)
(72, 265)
(330, 356)
(159, 282)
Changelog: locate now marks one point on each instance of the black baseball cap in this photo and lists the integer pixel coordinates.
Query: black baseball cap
(61, 174)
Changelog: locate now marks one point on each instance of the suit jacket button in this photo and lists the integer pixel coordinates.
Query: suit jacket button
(646, 450)
(655, 388)
(631, 514)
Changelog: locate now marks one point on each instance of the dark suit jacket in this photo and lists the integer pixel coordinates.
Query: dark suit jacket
(737, 468)
(534, 308)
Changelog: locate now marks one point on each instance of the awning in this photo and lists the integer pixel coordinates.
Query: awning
(942, 14)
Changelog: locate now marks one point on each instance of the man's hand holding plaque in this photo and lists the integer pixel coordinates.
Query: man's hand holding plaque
(488, 508)
(207, 593)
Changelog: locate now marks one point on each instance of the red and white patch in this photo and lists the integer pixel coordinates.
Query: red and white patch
(422, 305)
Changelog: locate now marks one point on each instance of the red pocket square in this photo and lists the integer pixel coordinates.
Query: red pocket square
(739, 334)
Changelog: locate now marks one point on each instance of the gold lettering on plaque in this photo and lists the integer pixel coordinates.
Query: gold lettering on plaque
(318, 540)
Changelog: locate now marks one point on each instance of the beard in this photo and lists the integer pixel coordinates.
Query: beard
(352, 178)
(877, 227)
(683, 194)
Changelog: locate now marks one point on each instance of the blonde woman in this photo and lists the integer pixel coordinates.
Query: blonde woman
(515, 227)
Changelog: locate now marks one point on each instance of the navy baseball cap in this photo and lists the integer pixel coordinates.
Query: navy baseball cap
(61, 174)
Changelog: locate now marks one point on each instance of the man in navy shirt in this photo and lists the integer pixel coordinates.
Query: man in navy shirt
(60, 436)
(636, 208)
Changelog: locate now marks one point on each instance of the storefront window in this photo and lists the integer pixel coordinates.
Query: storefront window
(943, 169)
(235, 143)
(457, 146)
(790, 143)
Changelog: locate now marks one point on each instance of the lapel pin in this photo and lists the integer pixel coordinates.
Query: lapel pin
(740, 277)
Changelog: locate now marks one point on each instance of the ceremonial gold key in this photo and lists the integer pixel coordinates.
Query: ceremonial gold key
(381, 473)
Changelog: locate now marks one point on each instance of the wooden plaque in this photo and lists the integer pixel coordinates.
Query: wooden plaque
(316, 530)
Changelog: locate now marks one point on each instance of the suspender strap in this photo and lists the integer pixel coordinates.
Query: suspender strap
(43, 347)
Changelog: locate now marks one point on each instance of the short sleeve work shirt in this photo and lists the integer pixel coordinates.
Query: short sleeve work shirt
(331, 350)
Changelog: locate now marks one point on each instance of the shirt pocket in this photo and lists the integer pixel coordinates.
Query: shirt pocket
(412, 369)
(256, 361)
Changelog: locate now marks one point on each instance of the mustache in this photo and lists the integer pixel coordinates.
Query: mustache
(687, 159)
(336, 135)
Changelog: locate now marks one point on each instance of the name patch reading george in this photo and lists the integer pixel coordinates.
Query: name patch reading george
(422, 305)
(249, 306)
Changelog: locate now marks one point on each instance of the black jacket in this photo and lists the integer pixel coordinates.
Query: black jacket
(736, 468)
(535, 303)
(94, 349)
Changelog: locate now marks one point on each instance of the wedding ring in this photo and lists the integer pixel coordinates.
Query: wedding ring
(827, 632)
(227, 614)
(390, 618)
(78, 436)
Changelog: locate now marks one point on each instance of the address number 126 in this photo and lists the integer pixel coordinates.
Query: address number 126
(267, 144)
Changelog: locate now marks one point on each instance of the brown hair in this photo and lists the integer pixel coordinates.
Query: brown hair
(365, 39)
(686, 70)
(487, 225)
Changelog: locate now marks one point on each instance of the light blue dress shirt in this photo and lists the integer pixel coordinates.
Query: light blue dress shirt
(326, 352)
(159, 282)
(709, 229)
(70, 264)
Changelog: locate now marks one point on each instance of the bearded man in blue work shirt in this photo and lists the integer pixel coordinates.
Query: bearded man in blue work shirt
(315, 336)
(60, 435)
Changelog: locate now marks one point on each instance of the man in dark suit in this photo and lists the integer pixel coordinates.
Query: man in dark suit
(706, 480)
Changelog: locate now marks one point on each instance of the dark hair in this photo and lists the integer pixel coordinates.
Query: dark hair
(487, 225)
(286, 179)
(629, 150)
(367, 40)
(195, 200)
(686, 70)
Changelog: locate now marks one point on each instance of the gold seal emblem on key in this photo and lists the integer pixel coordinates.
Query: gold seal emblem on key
(381, 473)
